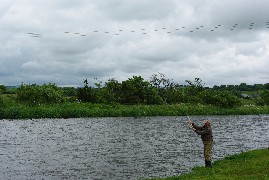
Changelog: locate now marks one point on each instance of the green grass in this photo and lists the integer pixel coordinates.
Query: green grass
(80, 110)
(11, 109)
(247, 165)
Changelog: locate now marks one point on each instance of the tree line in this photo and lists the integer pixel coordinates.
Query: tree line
(242, 87)
(135, 90)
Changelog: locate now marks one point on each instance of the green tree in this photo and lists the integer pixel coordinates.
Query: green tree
(264, 98)
(222, 87)
(113, 91)
(243, 87)
(138, 91)
(266, 86)
(35, 94)
(230, 87)
(3, 89)
(1, 102)
(69, 91)
(87, 93)
(166, 88)
(195, 87)
(219, 98)
(215, 87)
(258, 87)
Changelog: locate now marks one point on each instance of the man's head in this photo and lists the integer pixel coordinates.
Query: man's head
(207, 123)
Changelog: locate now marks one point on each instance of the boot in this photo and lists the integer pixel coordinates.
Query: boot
(208, 164)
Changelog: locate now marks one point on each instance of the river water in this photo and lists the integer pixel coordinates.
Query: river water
(119, 148)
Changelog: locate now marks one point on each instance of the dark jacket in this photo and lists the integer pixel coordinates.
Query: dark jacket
(204, 131)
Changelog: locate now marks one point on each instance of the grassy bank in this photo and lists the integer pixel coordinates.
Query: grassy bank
(248, 165)
(78, 110)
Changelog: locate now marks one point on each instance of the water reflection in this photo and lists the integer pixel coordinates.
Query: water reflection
(119, 148)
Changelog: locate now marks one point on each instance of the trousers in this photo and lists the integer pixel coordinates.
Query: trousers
(208, 150)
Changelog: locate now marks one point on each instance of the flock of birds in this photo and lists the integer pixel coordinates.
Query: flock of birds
(144, 31)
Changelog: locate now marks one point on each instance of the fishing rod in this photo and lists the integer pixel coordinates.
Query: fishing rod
(190, 123)
(189, 119)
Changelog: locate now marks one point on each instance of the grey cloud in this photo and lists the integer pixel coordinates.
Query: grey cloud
(137, 9)
(5, 6)
(240, 11)
(220, 56)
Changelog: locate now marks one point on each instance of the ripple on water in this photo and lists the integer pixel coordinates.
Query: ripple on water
(119, 148)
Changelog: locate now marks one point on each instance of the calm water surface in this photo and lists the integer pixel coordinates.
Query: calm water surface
(119, 148)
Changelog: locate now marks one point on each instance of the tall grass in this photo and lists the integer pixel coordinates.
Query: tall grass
(78, 110)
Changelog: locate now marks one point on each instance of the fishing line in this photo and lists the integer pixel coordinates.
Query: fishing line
(186, 109)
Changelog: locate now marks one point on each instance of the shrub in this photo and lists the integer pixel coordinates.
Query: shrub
(1, 102)
(3, 89)
(219, 98)
(35, 94)
(264, 98)
(113, 91)
(92, 95)
(138, 91)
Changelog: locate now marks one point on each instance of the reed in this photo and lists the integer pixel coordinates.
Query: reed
(83, 110)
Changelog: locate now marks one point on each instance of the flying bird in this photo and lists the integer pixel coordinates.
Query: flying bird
(34, 34)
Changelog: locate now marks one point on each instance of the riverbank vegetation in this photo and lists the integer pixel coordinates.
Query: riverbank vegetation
(136, 97)
(247, 165)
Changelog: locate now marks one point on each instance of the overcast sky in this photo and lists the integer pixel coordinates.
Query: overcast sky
(65, 41)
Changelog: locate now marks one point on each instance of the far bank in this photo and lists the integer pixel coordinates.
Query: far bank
(84, 110)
